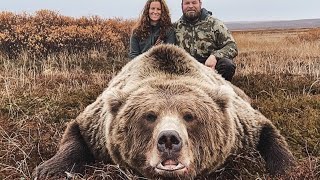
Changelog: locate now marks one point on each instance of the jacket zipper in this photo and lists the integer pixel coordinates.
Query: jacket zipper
(192, 40)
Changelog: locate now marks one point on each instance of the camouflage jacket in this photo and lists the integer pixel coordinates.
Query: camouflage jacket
(205, 37)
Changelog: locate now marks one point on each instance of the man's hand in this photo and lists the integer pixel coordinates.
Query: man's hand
(211, 61)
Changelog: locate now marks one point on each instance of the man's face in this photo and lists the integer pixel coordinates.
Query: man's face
(191, 9)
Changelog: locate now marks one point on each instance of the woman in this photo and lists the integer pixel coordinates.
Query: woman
(154, 27)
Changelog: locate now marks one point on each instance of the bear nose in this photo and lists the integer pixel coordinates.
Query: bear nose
(169, 141)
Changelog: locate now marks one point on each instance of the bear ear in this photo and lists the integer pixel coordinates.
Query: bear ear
(115, 99)
(222, 95)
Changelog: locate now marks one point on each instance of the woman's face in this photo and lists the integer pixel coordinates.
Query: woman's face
(155, 12)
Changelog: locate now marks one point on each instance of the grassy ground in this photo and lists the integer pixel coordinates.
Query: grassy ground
(279, 70)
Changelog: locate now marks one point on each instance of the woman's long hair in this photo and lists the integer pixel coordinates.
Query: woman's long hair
(142, 27)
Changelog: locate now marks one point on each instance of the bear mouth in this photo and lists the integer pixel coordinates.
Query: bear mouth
(170, 165)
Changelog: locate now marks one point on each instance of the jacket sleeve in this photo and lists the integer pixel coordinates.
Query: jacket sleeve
(134, 47)
(171, 36)
(225, 42)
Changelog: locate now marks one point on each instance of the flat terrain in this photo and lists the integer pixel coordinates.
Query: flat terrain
(284, 24)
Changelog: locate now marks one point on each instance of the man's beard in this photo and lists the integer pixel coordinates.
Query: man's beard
(192, 16)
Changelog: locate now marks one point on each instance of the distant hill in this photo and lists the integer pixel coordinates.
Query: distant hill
(292, 24)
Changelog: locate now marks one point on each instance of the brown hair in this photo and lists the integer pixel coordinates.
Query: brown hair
(141, 29)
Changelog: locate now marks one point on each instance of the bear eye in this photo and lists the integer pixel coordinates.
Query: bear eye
(188, 117)
(151, 117)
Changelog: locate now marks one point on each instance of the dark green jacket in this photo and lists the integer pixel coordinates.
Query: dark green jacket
(138, 46)
(205, 37)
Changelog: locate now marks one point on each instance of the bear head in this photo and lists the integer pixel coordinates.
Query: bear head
(171, 129)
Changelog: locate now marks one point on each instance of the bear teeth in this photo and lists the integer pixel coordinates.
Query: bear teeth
(170, 165)
(169, 162)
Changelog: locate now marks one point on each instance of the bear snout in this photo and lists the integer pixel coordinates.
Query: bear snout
(169, 142)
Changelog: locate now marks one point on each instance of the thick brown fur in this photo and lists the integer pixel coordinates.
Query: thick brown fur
(166, 115)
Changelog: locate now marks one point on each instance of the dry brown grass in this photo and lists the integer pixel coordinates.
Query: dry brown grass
(275, 52)
(278, 69)
(37, 97)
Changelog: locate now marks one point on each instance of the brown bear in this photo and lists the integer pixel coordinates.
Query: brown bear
(167, 116)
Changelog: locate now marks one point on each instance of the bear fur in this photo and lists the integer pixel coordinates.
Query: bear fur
(166, 115)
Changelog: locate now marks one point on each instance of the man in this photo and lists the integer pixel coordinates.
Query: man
(206, 38)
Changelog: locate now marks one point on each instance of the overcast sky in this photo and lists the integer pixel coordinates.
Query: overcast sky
(226, 10)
